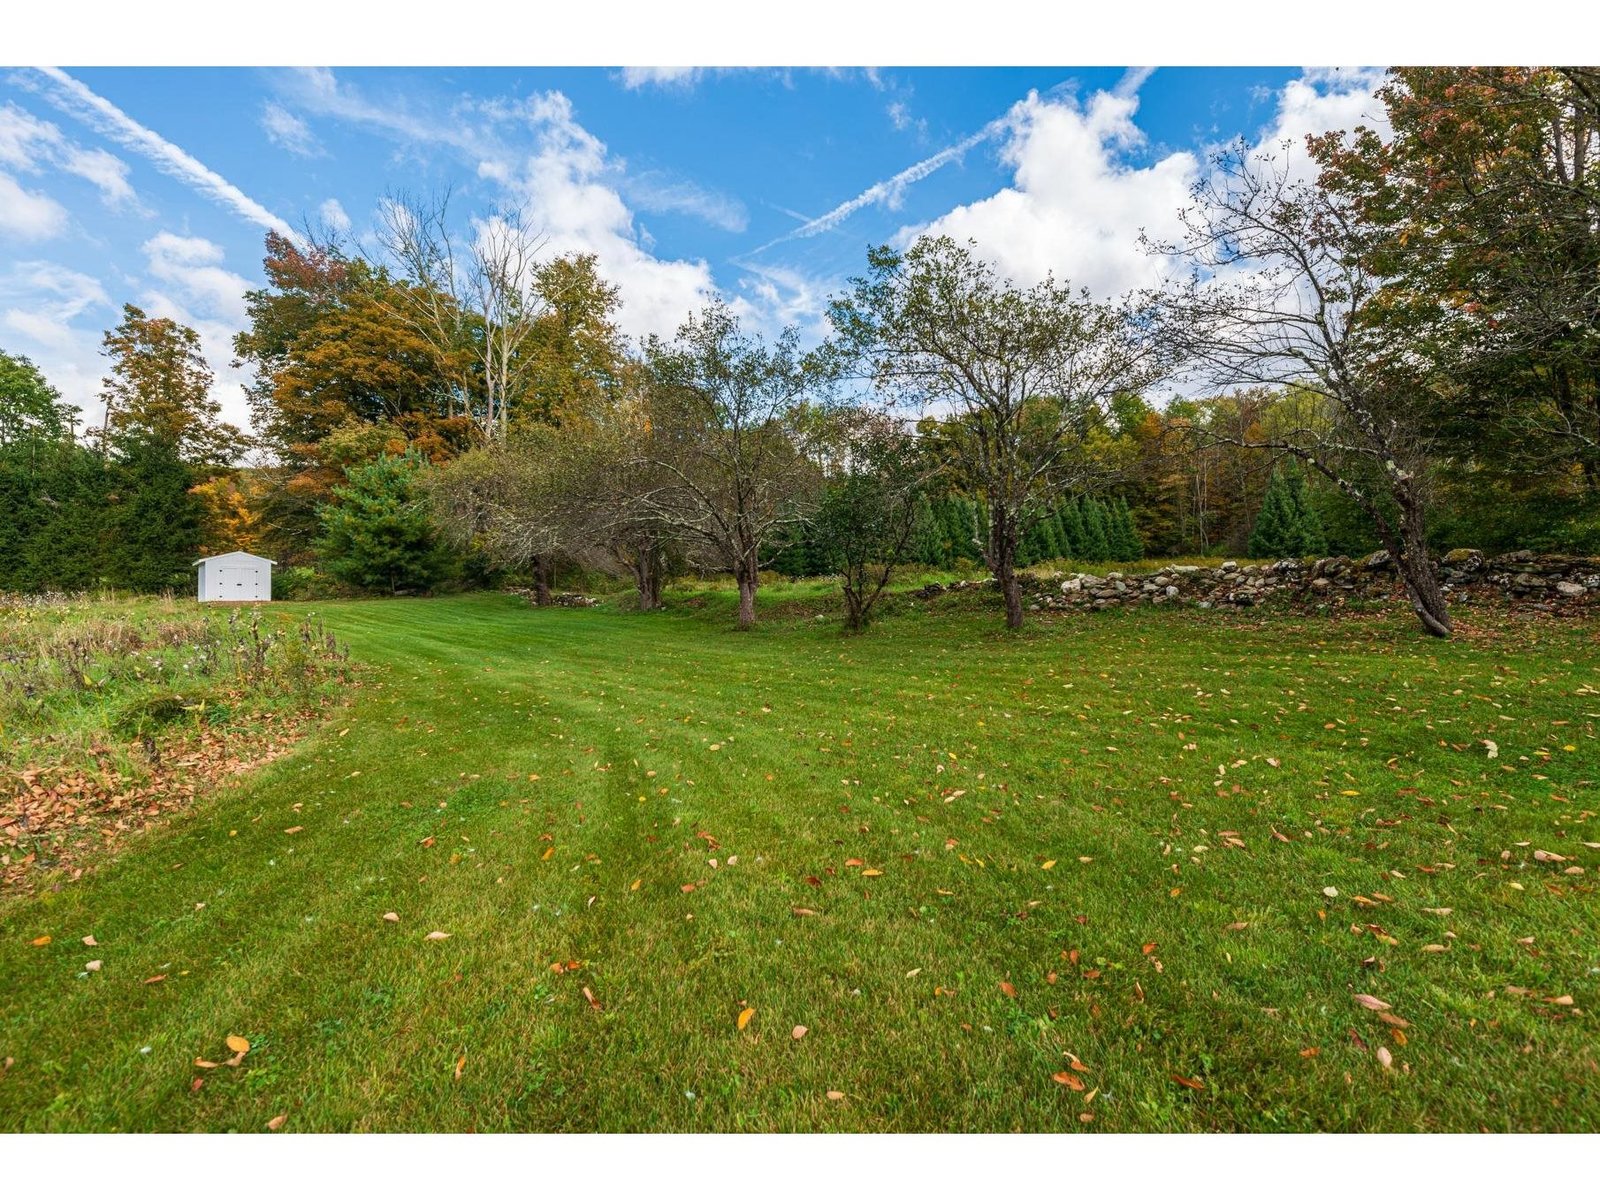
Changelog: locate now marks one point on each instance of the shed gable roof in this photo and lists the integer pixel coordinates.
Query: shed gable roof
(234, 554)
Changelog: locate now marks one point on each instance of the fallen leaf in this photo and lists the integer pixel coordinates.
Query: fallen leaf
(803, 912)
(1236, 926)
(42, 941)
(92, 966)
(870, 872)
(1371, 1002)
(835, 1095)
(1564, 1000)
(1047, 864)
(593, 1003)
(295, 829)
(686, 888)
(1492, 748)
(155, 979)
(1389, 1018)
(1068, 1079)
(460, 1065)
(1189, 1083)
(391, 916)
(238, 1044)
(196, 1084)
(204, 1065)
(1009, 988)
(798, 1032)
(1330, 892)
(854, 862)
(634, 886)
(744, 1017)
(436, 936)
(277, 1122)
(1385, 1057)
(89, 941)
(1433, 948)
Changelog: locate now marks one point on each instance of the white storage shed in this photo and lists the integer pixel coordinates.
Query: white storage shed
(235, 576)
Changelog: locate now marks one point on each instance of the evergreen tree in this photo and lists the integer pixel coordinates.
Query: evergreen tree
(1312, 540)
(378, 532)
(1072, 525)
(1064, 546)
(927, 544)
(154, 519)
(1288, 526)
(1126, 543)
(1096, 538)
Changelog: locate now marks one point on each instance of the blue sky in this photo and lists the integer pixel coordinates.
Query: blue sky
(156, 186)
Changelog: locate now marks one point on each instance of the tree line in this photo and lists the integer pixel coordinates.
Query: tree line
(1366, 342)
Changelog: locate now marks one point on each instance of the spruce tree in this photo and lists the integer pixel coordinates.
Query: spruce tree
(155, 520)
(379, 534)
(927, 543)
(1129, 547)
(1064, 546)
(1310, 539)
(1096, 540)
(1072, 524)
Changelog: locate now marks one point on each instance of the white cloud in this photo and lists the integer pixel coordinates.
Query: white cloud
(334, 216)
(31, 144)
(1319, 100)
(41, 300)
(1081, 193)
(289, 132)
(1076, 206)
(563, 188)
(192, 264)
(655, 191)
(73, 98)
(28, 216)
(639, 77)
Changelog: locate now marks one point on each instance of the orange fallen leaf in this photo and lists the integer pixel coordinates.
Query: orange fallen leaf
(687, 888)
(196, 1084)
(798, 1032)
(460, 1065)
(238, 1044)
(835, 1095)
(1068, 1079)
(547, 854)
(1189, 1083)
(42, 941)
(204, 1065)
(1147, 948)
(854, 862)
(277, 1122)
(1009, 988)
(744, 1017)
(589, 996)
(155, 979)
(1389, 1018)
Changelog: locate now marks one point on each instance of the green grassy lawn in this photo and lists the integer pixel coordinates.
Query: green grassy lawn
(1012, 855)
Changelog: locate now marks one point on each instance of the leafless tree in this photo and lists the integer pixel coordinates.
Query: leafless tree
(1280, 296)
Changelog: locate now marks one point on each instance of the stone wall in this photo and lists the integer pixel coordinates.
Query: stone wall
(1546, 581)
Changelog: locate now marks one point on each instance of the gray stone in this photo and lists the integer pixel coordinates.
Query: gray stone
(1570, 589)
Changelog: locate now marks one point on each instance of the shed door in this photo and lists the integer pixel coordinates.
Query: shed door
(232, 584)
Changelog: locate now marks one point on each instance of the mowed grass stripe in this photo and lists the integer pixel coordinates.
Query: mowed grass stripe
(360, 1024)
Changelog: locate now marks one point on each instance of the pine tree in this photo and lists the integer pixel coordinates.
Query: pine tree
(1064, 545)
(1096, 539)
(379, 534)
(1129, 546)
(1072, 524)
(155, 522)
(1288, 526)
(927, 542)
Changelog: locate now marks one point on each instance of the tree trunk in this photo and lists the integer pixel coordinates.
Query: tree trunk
(1410, 554)
(747, 571)
(541, 580)
(647, 579)
(1003, 561)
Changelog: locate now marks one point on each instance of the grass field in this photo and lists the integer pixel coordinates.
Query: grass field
(1120, 872)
